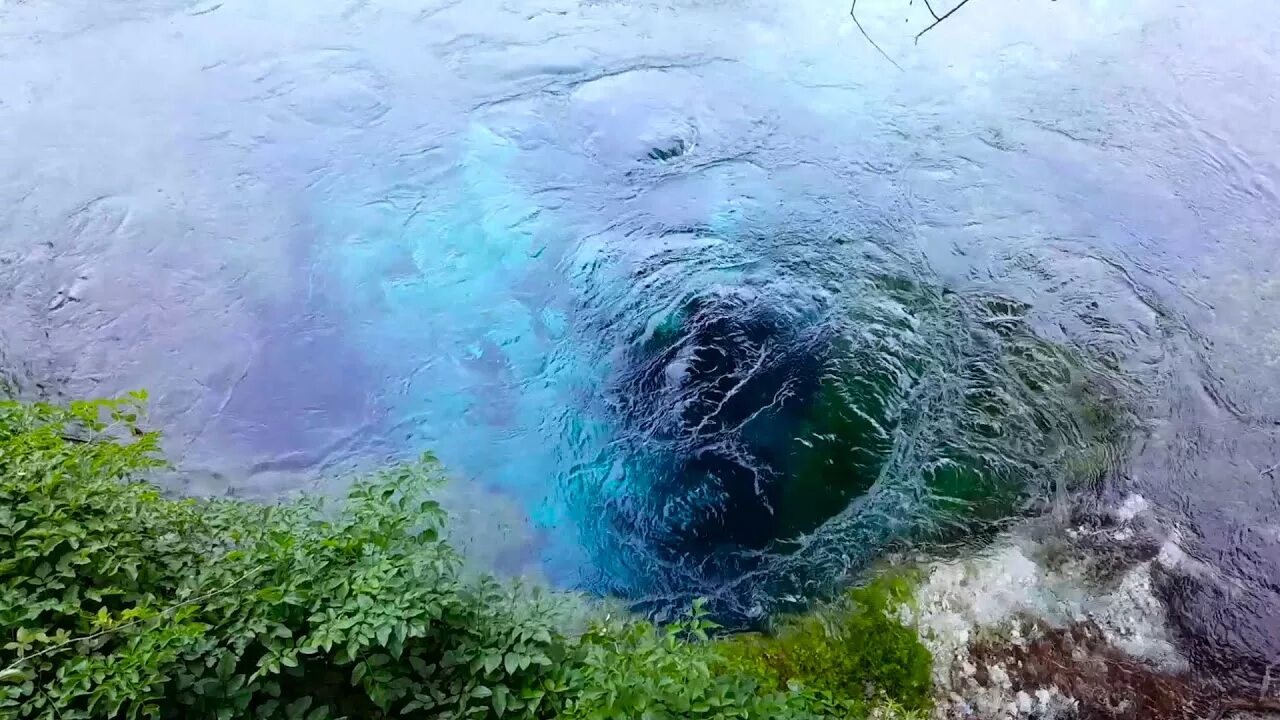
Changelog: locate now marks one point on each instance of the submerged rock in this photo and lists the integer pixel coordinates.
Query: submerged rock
(1055, 621)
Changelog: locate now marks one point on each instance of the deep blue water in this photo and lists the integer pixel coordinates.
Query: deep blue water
(326, 234)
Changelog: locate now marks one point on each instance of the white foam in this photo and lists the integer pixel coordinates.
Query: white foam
(1132, 506)
(996, 591)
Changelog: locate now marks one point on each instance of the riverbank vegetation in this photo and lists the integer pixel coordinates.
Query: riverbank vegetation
(118, 601)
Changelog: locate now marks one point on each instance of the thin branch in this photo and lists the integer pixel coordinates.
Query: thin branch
(54, 648)
(853, 13)
(931, 12)
(938, 20)
(52, 705)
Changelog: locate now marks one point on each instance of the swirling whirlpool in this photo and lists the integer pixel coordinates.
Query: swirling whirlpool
(726, 402)
(787, 411)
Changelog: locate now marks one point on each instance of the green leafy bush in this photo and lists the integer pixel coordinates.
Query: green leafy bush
(116, 601)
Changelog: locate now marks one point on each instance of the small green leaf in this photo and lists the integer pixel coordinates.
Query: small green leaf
(419, 665)
(296, 709)
(500, 701)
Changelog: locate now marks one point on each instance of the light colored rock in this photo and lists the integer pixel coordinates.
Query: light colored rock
(1042, 697)
(996, 591)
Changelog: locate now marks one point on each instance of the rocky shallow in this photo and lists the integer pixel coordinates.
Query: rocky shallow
(1052, 624)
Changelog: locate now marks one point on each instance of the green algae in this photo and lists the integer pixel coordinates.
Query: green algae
(856, 650)
(836, 455)
(1017, 414)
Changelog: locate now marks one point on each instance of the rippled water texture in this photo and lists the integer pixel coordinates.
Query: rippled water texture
(697, 297)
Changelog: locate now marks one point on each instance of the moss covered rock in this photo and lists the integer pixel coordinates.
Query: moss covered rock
(856, 650)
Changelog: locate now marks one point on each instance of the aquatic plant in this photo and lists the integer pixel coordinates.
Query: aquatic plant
(119, 602)
(854, 649)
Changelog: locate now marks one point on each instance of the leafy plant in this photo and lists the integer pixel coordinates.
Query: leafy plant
(119, 602)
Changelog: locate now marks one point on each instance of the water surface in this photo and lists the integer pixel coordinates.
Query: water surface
(326, 234)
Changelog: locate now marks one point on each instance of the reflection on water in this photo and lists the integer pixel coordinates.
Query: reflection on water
(625, 266)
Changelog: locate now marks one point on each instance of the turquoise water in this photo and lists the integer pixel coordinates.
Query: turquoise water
(330, 234)
(556, 359)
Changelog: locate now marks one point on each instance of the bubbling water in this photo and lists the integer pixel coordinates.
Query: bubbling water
(783, 422)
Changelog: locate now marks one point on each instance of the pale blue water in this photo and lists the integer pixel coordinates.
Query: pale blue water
(326, 234)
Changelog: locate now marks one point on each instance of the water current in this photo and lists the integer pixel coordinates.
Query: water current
(692, 298)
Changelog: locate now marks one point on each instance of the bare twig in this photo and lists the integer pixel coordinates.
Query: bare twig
(939, 20)
(853, 13)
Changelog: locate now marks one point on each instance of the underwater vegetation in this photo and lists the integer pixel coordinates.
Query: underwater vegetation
(854, 649)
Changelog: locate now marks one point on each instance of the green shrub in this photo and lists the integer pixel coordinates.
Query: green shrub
(116, 601)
